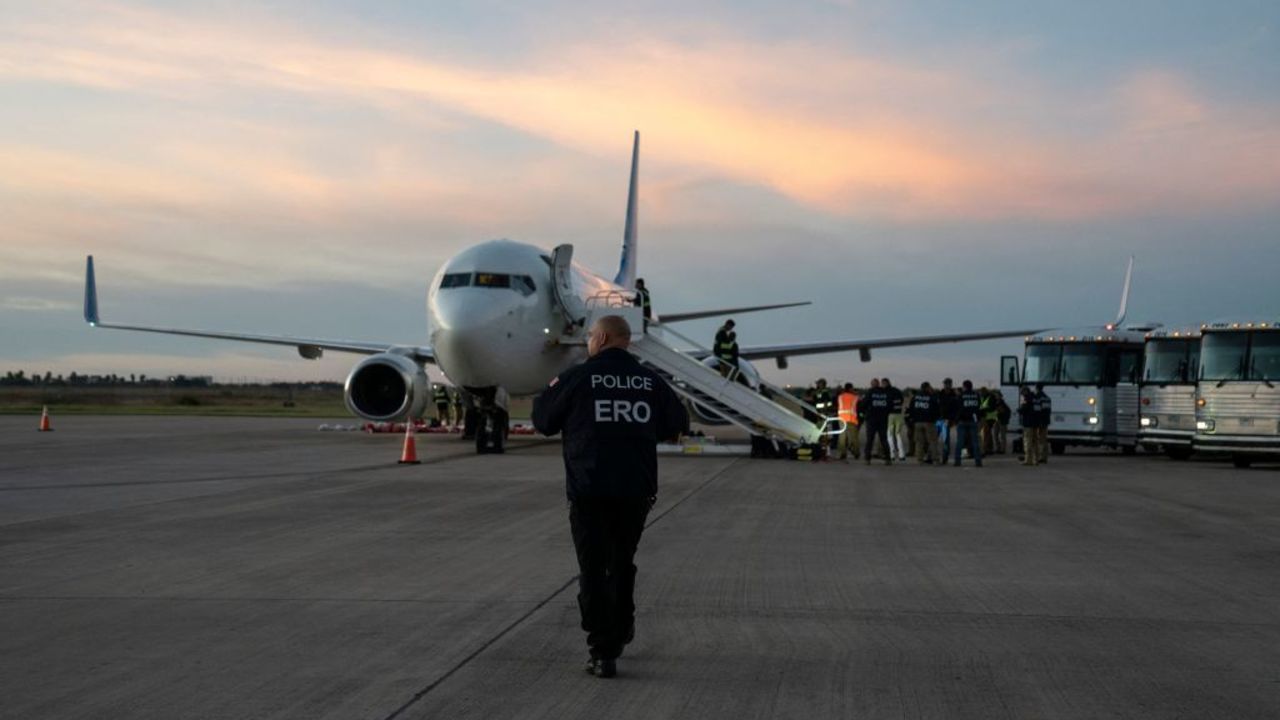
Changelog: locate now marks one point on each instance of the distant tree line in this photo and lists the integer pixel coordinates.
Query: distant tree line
(20, 378)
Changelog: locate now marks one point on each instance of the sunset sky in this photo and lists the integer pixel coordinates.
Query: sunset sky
(304, 167)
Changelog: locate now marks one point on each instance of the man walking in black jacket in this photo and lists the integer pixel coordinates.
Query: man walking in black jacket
(613, 412)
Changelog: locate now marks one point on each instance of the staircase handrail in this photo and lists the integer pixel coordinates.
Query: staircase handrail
(733, 371)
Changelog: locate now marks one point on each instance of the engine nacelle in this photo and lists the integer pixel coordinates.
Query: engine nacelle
(387, 387)
(706, 415)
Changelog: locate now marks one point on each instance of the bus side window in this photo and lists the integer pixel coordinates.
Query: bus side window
(1009, 370)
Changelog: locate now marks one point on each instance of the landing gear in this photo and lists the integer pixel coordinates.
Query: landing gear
(487, 420)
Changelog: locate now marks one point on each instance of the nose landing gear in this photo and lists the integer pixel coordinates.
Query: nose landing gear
(487, 420)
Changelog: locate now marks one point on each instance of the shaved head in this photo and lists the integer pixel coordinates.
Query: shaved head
(610, 331)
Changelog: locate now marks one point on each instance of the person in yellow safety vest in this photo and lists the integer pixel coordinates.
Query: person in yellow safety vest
(847, 407)
(725, 348)
(988, 409)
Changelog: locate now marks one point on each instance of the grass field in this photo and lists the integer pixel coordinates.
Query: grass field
(219, 400)
(227, 400)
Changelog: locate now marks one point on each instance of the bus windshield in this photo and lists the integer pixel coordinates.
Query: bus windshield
(1264, 356)
(1042, 363)
(1171, 361)
(1081, 364)
(1222, 355)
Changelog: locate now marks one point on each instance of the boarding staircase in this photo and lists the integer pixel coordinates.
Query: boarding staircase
(723, 394)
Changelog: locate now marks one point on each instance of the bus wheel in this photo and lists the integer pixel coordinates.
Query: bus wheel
(1178, 453)
(1129, 449)
(1017, 447)
(1058, 447)
(1241, 461)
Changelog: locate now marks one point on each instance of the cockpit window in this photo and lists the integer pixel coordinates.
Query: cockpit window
(524, 284)
(493, 280)
(453, 280)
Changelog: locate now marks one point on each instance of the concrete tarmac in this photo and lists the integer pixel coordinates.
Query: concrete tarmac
(253, 568)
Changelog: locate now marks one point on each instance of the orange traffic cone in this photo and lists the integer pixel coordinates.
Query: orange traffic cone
(409, 456)
(44, 420)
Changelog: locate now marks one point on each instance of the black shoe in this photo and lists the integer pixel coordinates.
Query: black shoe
(602, 668)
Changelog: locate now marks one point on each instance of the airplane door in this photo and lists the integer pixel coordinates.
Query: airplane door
(562, 284)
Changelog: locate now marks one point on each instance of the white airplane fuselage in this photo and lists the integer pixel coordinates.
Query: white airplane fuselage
(491, 327)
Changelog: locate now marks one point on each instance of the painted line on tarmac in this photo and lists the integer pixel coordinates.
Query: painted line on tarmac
(541, 604)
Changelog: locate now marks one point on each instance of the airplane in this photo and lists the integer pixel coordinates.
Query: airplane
(505, 317)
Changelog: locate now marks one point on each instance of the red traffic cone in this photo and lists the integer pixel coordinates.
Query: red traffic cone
(44, 420)
(409, 456)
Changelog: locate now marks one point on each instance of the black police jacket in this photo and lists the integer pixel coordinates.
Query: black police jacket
(925, 408)
(967, 406)
(613, 412)
(895, 400)
(950, 403)
(1044, 409)
(878, 405)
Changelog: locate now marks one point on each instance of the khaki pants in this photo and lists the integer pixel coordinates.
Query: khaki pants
(1043, 453)
(1001, 437)
(897, 436)
(1031, 446)
(926, 441)
(848, 442)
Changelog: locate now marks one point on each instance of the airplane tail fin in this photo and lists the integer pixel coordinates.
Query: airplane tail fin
(1124, 295)
(90, 294)
(627, 267)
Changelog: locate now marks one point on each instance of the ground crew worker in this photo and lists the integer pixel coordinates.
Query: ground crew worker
(1044, 406)
(1003, 414)
(847, 407)
(723, 347)
(987, 419)
(925, 410)
(613, 411)
(440, 394)
(897, 424)
(823, 401)
(641, 300)
(967, 423)
(878, 404)
(1029, 416)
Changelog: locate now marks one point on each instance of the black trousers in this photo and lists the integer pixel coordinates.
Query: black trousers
(606, 532)
(877, 427)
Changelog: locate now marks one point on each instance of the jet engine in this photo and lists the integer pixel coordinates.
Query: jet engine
(387, 387)
(706, 415)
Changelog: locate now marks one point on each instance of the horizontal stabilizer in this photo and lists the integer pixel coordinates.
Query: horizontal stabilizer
(681, 317)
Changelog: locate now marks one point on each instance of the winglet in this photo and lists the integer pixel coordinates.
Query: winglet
(90, 294)
(1124, 295)
(627, 267)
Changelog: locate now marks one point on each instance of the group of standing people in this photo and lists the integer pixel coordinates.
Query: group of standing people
(931, 424)
(1035, 410)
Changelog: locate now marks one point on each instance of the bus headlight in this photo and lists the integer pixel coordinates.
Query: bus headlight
(1091, 420)
(1205, 425)
(1149, 422)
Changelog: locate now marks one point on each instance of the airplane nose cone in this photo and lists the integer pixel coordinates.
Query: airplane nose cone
(469, 337)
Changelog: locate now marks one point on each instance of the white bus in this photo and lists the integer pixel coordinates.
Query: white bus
(1238, 404)
(1170, 364)
(1091, 375)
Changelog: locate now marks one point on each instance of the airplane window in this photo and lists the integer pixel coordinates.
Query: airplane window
(493, 280)
(524, 284)
(453, 280)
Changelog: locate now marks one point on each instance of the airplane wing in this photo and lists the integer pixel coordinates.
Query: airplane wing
(681, 317)
(310, 348)
(864, 347)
